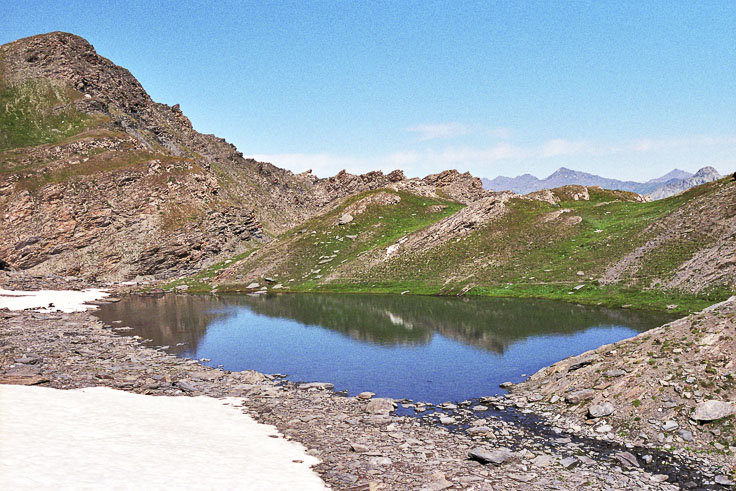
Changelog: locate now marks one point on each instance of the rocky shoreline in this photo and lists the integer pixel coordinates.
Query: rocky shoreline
(515, 442)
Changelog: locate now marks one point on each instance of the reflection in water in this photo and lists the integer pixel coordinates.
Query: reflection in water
(443, 348)
(489, 323)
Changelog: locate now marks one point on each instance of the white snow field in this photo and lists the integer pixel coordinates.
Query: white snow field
(101, 438)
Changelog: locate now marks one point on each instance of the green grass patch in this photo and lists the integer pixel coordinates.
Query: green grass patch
(312, 251)
(39, 111)
(98, 163)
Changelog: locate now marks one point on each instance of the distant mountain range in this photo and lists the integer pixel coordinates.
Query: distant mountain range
(674, 182)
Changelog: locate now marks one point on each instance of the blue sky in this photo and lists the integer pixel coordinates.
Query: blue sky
(625, 89)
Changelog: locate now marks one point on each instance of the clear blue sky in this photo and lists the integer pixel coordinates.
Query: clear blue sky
(627, 89)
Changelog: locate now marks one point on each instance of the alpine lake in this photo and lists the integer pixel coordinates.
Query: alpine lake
(422, 348)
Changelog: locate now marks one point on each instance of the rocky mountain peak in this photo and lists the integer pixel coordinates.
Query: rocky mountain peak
(72, 59)
(673, 174)
(707, 171)
(704, 175)
(564, 170)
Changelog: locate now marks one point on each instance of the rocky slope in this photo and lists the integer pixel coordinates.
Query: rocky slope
(362, 228)
(672, 183)
(696, 242)
(673, 385)
(99, 180)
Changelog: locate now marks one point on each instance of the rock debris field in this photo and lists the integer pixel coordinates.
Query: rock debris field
(519, 441)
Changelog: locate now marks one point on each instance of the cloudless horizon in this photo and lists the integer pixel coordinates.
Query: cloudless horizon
(627, 90)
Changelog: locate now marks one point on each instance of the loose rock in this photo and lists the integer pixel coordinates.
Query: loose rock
(713, 410)
(497, 456)
(601, 410)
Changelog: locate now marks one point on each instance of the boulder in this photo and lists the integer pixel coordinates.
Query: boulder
(616, 372)
(713, 410)
(345, 219)
(381, 405)
(358, 448)
(670, 425)
(601, 410)
(496, 456)
(581, 362)
(185, 386)
(379, 461)
(579, 395)
(721, 479)
(478, 430)
(317, 385)
(543, 460)
(251, 376)
(438, 482)
(627, 459)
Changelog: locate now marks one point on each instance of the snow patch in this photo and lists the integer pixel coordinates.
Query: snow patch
(50, 300)
(104, 438)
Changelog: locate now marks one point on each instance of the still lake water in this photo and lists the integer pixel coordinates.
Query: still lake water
(432, 349)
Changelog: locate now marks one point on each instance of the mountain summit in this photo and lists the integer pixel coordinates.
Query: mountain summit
(677, 186)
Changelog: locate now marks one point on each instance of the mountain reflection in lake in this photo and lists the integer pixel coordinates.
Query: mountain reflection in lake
(432, 349)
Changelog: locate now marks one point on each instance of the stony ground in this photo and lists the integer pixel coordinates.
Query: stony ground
(514, 442)
(656, 388)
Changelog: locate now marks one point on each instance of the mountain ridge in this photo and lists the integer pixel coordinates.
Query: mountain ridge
(674, 182)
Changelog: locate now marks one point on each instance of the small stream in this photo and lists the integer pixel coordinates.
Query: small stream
(685, 472)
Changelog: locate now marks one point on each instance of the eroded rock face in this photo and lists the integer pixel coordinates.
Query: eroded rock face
(149, 217)
(140, 192)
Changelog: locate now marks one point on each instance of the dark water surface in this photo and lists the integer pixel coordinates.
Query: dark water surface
(432, 349)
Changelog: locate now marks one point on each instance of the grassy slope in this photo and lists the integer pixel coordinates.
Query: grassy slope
(37, 112)
(293, 258)
(517, 255)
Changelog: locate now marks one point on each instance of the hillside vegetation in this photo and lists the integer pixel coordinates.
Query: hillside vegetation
(586, 245)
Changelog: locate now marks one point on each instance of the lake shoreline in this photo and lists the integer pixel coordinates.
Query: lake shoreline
(593, 295)
(357, 446)
(360, 342)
